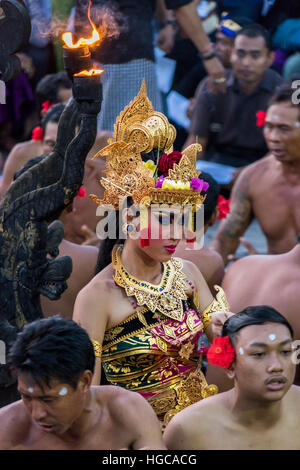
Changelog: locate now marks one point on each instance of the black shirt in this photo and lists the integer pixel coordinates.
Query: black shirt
(228, 120)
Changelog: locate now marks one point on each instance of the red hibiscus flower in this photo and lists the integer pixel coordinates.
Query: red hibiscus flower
(223, 207)
(221, 353)
(166, 162)
(260, 118)
(81, 192)
(37, 133)
(46, 106)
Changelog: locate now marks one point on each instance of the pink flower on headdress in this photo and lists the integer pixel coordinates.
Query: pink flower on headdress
(159, 182)
(260, 118)
(199, 185)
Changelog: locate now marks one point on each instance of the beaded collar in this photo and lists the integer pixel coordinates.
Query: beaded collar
(165, 297)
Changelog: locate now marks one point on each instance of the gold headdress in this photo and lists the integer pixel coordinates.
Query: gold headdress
(140, 129)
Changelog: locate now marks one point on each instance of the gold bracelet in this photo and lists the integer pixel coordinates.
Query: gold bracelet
(97, 347)
(219, 304)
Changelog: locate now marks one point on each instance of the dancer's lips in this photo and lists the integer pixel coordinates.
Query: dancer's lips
(276, 382)
(170, 248)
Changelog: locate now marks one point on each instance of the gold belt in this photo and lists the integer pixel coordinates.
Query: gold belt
(189, 390)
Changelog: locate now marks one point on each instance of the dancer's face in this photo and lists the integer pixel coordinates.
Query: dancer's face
(167, 226)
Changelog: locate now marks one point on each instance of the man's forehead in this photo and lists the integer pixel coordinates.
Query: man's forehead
(265, 333)
(249, 44)
(284, 112)
(27, 384)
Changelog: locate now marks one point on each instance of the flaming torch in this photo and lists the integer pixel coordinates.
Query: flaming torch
(77, 57)
(77, 60)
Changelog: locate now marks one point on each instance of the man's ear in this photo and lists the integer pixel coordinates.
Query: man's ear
(230, 372)
(85, 381)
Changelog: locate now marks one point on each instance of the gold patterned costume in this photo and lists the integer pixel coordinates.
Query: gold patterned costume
(160, 360)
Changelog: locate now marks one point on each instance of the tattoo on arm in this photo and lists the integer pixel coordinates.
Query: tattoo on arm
(236, 223)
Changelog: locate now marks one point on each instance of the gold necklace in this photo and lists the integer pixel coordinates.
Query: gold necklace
(166, 297)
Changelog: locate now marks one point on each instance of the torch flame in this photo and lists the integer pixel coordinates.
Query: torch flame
(68, 38)
(89, 73)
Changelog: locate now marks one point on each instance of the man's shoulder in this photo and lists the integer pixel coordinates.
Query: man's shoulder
(86, 253)
(201, 413)
(273, 78)
(192, 427)
(257, 168)
(14, 421)
(120, 403)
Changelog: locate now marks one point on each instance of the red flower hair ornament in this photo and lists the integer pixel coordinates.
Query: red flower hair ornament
(221, 353)
(37, 134)
(260, 118)
(46, 105)
(223, 207)
(166, 162)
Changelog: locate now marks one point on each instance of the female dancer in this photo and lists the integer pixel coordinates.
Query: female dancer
(146, 310)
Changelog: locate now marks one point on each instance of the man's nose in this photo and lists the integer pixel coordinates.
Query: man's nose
(38, 411)
(274, 135)
(246, 60)
(275, 363)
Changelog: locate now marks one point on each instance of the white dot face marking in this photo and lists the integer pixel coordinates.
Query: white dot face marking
(30, 390)
(297, 124)
(272, 337)
(63, 391)
(241, 351)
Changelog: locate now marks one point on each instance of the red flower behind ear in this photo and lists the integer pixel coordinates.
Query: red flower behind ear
(37, 133)
(166, 162)
(221, 353)
(223, 207)
(46, 105)
(260, 118)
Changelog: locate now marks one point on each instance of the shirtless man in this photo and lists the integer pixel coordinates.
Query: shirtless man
(279, 287)
(269, 189)
(24, 151)
(261, 411)
(59, 410)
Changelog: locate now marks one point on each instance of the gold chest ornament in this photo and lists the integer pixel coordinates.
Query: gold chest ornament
(165, 298)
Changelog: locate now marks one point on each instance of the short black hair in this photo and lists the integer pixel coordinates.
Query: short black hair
(48, 87)
(255, 30)
(52, 115)
(284, 94)
(256, 315)
(212, 195)
(53, 348)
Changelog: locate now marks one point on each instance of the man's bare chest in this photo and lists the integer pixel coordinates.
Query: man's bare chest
(277, 208)
(100, 439)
